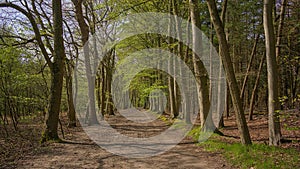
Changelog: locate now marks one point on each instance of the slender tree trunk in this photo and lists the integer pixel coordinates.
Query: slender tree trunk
(249, 68)
(69, 88)
(186, 80)
(220, 90)
(103, 89)
(278, 40)
(273, 103)
(109, 72)
(280, 27)
(233, 86)
(171, 84)
(227, 98)
(201, 74)
(57, 72)
(255, 88)
(76, 79)
(84, 29)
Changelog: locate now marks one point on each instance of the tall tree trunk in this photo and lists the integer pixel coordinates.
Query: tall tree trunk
(172, 100)
(273, 103)
(56, 67)
(220, 90)
(57, 72)
(201, 74)
(233, 86)
(84, 29)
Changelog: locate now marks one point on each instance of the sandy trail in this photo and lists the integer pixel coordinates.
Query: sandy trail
(83, 153)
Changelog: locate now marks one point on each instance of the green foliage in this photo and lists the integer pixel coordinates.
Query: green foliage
(195, 132)
(179, 124)
(293, 128)
(164, 118)
(256, 155)
(23, 90)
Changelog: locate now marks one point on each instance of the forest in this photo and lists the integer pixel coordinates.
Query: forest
(150, 84)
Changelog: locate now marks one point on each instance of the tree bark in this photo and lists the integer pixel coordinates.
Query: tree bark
(278, 41)
(220, 90)
(255, 88)
(171, 84)
(84, 29)
(280, 27)
(273, 103)
(233, 86)
(109, 74)
(249, 68)
(36, 30)
(56, 67)
(227, 101)
(201, 74)
(57, 72)
(103, 89)
(69, 88)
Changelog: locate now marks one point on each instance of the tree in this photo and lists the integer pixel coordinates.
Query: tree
(171, 82)
(220, 90)
(69, 89)
(273, 103)
(280, 27)
(201, 74)
(56, 67)
(233, 86)
(251, 107)
(84, 29)
(52, 116)
(71, 62)
(23, 92)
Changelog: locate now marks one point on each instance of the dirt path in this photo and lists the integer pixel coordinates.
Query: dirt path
(83, 153)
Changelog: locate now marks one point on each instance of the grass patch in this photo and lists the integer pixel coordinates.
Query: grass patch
(294, 128)
(258, 156)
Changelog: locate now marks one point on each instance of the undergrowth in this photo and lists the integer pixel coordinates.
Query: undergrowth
(258, 156)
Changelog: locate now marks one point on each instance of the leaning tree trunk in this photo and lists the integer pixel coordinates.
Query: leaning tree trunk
(251, 107)
(57, 72)
(233, 86)
(249, 68)
(273, 103)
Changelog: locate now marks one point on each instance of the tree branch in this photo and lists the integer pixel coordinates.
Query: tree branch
(35, 29)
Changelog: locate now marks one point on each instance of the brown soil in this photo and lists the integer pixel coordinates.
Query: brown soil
(22, 149)
(258, 128)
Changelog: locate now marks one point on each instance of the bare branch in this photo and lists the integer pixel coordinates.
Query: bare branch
(35, 28)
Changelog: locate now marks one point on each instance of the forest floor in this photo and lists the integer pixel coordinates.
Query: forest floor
(22, 149)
